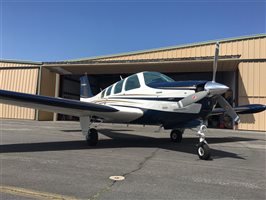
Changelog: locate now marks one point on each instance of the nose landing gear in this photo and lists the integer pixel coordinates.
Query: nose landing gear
(204, 151)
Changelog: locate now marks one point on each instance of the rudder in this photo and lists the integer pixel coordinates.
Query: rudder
(85, 88)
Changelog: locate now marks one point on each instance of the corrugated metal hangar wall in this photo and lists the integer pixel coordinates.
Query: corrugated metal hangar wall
(19, 77)
(246, 56)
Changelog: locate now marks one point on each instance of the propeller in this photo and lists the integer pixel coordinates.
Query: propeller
(211, 89)
(228, 108)
(193, 98)
(215, 61)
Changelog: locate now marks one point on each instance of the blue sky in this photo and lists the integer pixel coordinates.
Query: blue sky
(46, 30)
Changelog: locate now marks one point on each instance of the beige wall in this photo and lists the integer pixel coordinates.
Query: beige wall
(20, 78)
(252, 90)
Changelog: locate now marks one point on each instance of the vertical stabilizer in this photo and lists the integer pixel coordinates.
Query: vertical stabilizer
(85, 88)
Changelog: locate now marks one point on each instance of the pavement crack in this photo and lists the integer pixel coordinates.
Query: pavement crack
(108, 188)
(142, 163)
(103, 190)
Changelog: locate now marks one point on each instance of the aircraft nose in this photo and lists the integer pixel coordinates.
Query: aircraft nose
(215, 88)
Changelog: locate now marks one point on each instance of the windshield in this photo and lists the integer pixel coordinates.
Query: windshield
(156, 77)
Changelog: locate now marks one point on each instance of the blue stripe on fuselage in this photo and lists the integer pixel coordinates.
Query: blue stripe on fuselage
(149, 98)
(177, 85)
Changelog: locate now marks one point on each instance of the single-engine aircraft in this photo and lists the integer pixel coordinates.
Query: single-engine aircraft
(148, 98)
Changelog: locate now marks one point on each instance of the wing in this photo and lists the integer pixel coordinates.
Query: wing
(245, 109)
(52, 104)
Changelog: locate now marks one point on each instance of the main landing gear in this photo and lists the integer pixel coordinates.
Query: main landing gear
(91, 134)
(204, 151)
(177, 135)
(92, 137)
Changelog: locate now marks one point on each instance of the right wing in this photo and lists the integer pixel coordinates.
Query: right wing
(52, 104)
(244, 109)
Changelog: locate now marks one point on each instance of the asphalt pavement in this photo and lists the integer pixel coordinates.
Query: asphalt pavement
(50, 160)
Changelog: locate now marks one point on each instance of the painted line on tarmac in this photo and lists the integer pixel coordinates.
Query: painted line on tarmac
(33, 193)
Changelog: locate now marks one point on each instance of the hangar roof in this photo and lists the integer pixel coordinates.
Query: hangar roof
(170, 47)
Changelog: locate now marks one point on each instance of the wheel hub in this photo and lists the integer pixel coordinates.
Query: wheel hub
(201, 151)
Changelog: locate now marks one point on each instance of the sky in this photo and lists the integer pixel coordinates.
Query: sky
(47, 30)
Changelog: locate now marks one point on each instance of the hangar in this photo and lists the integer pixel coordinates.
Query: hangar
(241, 66)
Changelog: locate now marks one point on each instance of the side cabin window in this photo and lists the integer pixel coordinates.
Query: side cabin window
(102, 95)
(108, 92)
(118, 87)
(132, 83)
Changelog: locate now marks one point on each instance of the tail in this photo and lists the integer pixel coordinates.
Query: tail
(85, 88)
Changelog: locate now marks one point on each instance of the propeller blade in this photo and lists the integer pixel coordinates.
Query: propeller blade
(193, 98)
(228, 108)
(215, 61)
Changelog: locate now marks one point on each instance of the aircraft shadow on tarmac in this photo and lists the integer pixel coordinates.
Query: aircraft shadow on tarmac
(125, 140)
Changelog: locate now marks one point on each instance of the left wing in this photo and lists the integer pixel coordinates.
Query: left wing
(52, 104)
(245, 109)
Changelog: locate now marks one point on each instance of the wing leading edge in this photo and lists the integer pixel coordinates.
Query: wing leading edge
(52, 104)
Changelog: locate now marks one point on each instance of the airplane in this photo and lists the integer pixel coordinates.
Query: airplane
(148, 98)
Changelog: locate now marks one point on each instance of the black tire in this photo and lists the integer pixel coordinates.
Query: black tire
(92, 137)
(176, 136)
(204, 151)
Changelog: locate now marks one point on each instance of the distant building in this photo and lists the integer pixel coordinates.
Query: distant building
(241, 66)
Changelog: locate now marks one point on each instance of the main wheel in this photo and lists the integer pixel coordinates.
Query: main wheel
(176, 135)
(204, 151)
(92, 137)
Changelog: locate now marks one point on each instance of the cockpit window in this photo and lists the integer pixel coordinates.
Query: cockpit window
(118, 87)
(132, 83)
(108, 92)
(156, 77)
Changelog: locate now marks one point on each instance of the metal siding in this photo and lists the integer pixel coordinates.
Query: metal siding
(178, 53)
(257, 48)
(262, 77)
(252, 90)
(262, 47)
(10, 64)
(19, 80)
(248, 48)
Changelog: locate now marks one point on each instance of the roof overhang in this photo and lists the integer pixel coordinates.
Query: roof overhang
(228, 64)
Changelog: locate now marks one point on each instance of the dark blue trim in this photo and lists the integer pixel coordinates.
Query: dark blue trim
(149, 98)
(51, 101)
(177, 85)
(171, 120)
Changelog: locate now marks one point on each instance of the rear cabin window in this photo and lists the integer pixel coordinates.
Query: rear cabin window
(108, 92)
(132, 83)
(118, 87)
(102, 95)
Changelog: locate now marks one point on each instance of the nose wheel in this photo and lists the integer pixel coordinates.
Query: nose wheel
(204, 151)
(92, 137)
